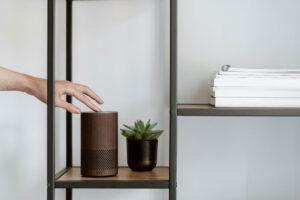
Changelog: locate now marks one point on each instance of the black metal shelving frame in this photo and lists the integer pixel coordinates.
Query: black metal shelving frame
(53, 181)
(176, 110)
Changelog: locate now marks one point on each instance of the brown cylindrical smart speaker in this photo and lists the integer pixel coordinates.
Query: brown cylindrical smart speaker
(99, 143)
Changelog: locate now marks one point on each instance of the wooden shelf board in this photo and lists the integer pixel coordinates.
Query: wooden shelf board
(208, 110)
(126, 178)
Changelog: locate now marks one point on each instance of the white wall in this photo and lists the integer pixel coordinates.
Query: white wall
(244, 33)
(22, 118)
(121, 51)
(249, 158)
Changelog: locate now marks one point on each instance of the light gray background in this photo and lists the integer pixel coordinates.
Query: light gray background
(121, 51)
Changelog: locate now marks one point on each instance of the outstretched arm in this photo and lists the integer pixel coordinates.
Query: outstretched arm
(10, 80)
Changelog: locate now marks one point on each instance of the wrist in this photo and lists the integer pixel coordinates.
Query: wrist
(29, 84)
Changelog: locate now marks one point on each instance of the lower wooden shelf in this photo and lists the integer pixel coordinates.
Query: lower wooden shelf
(126, 178)
(208, 110)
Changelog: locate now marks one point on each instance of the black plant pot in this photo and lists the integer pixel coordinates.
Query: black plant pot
(141, 154)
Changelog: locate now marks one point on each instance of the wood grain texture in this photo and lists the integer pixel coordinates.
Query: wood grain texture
(209, 110)
(194, 106)
(99, 131)
(124, 174)
(208, 106)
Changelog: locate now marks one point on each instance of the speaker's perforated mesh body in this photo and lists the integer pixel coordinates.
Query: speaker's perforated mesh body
(99, 144)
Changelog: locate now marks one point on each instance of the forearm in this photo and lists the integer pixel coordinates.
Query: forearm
(10, 80)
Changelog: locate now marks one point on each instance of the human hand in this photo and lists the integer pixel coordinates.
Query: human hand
(62, 87)
(14, 81)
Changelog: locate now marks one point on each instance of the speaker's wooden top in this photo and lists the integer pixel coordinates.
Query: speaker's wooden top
(98, 113)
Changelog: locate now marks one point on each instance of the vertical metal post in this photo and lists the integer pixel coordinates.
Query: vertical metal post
(173, 100)
(50, 100)
(69, 98)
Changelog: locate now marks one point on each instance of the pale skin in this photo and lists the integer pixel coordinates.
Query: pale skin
(14, 81)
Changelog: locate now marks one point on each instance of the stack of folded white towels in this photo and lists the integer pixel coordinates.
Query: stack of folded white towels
(244, 87)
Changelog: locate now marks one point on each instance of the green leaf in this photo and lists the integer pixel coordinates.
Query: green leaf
(152, 126)
(141, 131)
(129, 127)
(136, 125)
(141, 124)
(138, 136)
(138, 131)
(138, 128)
(147, 125)
(154, 135)
(127, 133)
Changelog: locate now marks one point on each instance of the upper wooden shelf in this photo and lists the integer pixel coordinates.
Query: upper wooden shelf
(126, 178)
(208, 110)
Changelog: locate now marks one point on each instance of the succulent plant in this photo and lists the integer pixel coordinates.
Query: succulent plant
(141, 131)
